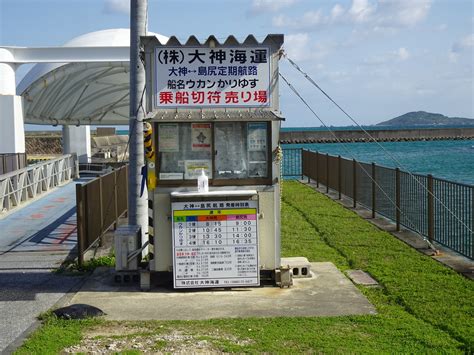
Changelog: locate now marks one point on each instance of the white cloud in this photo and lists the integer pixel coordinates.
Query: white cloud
(402, 54)
(464, 43)
(453, 57)
(336, 12)
(337, 76)
(361, 11)
(399, 55)
(460, 46)
(299, 48)
(421, 91)
(296, 46)
(390, 13)
(442, 27)
(309, 20)
(380, 15)
(405, 12)
(117, 7)
(261, 6)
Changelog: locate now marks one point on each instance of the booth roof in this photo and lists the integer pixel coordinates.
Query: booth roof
(98, 93)
(216, 115)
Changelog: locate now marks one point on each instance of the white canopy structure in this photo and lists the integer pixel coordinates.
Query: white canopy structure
(91, 88)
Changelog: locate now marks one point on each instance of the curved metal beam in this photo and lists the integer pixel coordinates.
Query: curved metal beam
(22, 55)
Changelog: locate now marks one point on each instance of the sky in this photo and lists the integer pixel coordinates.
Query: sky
(378, 59)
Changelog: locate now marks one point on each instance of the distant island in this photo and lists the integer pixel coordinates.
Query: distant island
(422, 118)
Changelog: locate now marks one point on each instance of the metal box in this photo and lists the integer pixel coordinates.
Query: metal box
(126, 242)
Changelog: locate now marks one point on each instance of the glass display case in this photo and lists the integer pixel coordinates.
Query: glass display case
(224, 150)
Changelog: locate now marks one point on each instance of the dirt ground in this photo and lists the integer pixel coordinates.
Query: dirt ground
(117, 338)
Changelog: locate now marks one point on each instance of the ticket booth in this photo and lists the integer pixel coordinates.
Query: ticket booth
(214, 109)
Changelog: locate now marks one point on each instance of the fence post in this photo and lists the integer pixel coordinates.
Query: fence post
(354, 183)
(80, 223)
(126, 186)
(374, 191)
(301, 160)
(327, 173)
(305, 159)
(101, 209)
(430, 208)
(317, 169)
(76, 166)
(115, 200)
(397, 198)
(339, 176)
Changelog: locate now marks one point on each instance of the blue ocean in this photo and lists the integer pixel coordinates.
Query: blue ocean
(450, 159)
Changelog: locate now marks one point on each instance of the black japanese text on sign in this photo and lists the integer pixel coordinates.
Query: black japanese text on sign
(220, 77)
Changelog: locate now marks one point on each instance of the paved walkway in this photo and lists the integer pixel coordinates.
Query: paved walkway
(33, 241)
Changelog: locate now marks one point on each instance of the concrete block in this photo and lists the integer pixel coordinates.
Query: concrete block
(300, 266)
(145, 284)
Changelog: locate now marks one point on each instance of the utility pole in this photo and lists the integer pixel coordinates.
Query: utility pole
(137, 205)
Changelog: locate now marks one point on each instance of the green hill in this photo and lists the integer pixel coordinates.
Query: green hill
(420, 118)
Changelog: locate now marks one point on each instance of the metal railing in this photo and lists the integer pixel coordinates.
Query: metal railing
(291, 163)
(21, 185)
(99, 205)
(441, 210)
(96, 169)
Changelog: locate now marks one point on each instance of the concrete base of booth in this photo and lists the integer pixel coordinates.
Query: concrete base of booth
(328, 293)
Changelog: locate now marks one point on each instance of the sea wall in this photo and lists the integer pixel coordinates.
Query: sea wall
(379, 135)
(40, 145)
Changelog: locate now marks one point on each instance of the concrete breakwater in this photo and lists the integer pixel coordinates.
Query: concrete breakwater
(291, 137)
(113, 147)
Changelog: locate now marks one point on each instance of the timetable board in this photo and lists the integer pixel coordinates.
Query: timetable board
(215, 244)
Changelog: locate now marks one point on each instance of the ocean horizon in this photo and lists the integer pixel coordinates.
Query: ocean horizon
(446, 159)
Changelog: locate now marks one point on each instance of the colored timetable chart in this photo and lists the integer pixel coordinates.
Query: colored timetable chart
(215, 244)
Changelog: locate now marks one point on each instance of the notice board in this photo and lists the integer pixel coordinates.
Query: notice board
(212, 77)
(215, 244)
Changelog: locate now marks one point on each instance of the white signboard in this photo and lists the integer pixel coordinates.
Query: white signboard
(215, 244)
(193, 168)
(218, 77)
(168, 140)
(257, 137)
(201, 137)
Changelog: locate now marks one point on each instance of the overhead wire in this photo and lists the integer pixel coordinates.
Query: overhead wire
(398, 163)
(357, 162)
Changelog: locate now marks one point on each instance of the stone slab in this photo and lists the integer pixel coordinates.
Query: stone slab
(328, 293)
(360, 277)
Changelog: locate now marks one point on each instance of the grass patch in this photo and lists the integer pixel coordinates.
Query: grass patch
(72, 267)
(422, 306)
(55, 335)
(423, 287)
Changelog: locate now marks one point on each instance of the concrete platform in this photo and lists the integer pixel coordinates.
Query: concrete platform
(328, 293)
